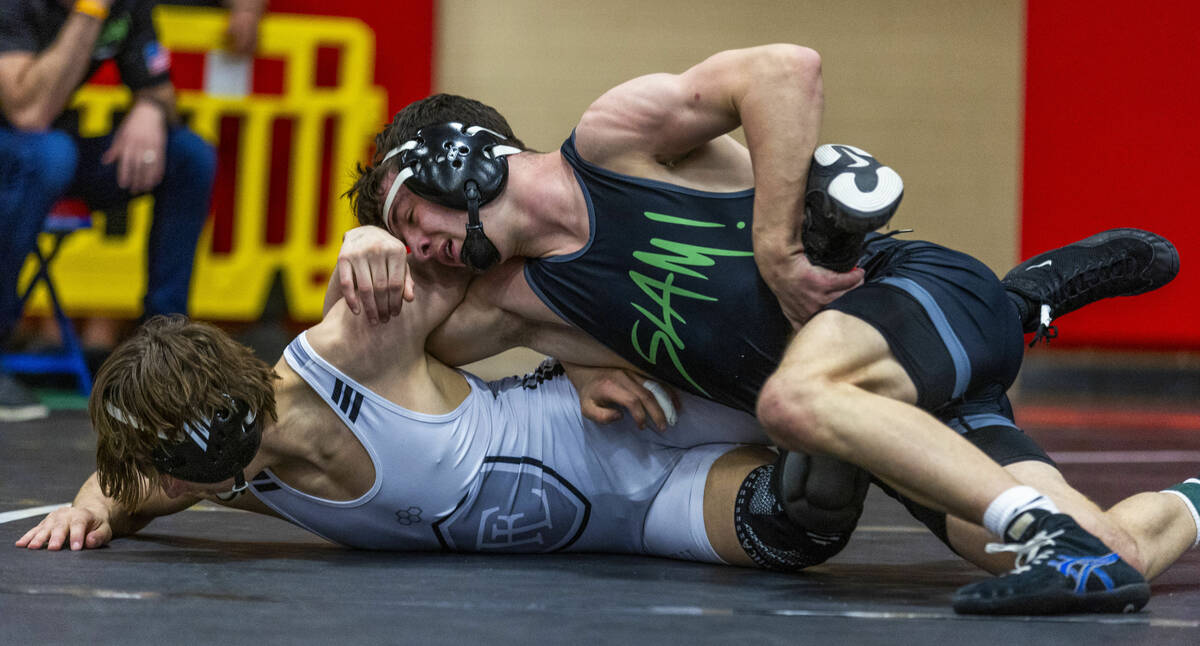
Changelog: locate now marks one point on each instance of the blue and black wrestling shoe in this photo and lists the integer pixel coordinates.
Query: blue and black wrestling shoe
(1117, 262)
(1060, 569)
(849, 195)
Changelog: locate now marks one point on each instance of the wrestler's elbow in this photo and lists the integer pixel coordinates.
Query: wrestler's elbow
(793, 64)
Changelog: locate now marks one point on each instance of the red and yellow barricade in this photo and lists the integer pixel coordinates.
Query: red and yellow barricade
(329, 126)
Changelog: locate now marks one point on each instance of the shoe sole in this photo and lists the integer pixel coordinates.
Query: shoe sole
(858, 211)
(1127, 598)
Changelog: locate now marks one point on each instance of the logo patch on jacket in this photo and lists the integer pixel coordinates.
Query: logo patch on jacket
(157, 58)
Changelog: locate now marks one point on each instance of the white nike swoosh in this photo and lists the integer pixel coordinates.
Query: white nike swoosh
(1045, 263)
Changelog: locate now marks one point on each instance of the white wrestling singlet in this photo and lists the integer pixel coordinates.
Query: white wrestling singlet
(514, 468)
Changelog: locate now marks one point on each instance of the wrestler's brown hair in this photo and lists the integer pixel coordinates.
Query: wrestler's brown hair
(367, 193)
(172, 371)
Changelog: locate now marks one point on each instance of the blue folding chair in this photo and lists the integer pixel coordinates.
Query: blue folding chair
(66, 217)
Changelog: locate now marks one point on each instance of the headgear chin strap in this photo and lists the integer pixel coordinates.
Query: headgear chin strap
(213, 448)
(459, 167)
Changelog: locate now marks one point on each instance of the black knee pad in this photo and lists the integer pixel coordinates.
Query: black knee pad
(821, 494)
(772, 539)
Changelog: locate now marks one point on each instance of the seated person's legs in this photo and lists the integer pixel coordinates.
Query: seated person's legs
(181, 202)
(35, 170)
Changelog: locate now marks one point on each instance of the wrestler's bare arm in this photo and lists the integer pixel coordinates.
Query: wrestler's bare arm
(774, 93)
(500, 312)
(94, 519)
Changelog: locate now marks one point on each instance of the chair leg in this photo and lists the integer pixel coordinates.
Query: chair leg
(71, 359)
(72, 349)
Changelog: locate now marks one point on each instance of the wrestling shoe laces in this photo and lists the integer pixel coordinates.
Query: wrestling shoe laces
(849, 194)
(1059, 568)
(1117, 262)
(1029, 553)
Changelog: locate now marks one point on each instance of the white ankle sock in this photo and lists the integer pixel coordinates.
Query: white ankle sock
(1008, 505)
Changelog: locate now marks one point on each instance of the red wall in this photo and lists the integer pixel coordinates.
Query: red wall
(1112, 138)
(403, 41)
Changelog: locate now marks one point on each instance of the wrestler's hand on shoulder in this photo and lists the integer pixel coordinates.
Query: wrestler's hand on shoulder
(604, 392)
(77, 527)
(803, 288)
(372, 273)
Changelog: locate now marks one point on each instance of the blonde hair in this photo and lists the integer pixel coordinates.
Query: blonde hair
(171, 372)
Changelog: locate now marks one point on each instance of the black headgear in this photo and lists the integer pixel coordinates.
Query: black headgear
(460, 167)
(213, 448)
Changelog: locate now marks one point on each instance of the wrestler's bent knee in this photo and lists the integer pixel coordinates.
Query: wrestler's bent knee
(787, 410)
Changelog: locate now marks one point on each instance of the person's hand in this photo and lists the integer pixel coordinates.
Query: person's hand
(604, 392)
(372, 272)
(241, 34)
(78, 527)
(139, 148)
(802, 288)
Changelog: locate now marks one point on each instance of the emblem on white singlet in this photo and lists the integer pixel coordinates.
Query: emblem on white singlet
(520, 506)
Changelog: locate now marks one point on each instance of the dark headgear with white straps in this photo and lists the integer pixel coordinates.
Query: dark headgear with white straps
(212, 448)
(456, 166)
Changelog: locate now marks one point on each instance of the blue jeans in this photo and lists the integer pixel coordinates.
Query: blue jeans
(38, 169)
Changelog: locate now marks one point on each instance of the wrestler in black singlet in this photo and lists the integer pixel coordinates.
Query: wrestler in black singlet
(668, 281)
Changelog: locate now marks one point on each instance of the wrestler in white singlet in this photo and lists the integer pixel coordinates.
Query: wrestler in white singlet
(515, 468)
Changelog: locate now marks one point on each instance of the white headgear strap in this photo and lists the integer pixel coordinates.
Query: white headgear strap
(401, 177)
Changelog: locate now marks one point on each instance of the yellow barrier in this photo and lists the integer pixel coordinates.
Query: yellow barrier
(95, 273)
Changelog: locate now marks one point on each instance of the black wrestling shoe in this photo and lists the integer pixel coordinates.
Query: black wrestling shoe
(849, 195)
(1117, 262)
(1060, 569)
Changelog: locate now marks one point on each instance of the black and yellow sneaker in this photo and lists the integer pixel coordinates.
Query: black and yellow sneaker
(1117, 262)
(1060, 569)
(849, 195)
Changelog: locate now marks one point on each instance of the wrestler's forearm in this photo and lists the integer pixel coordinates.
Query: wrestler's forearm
(457, 346)
(125, 521)
(781, 115)
(466, 339)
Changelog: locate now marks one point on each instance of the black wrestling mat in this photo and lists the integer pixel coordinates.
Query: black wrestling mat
(210, 576)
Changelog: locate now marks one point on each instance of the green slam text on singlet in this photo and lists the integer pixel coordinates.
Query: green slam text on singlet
(668, 281)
